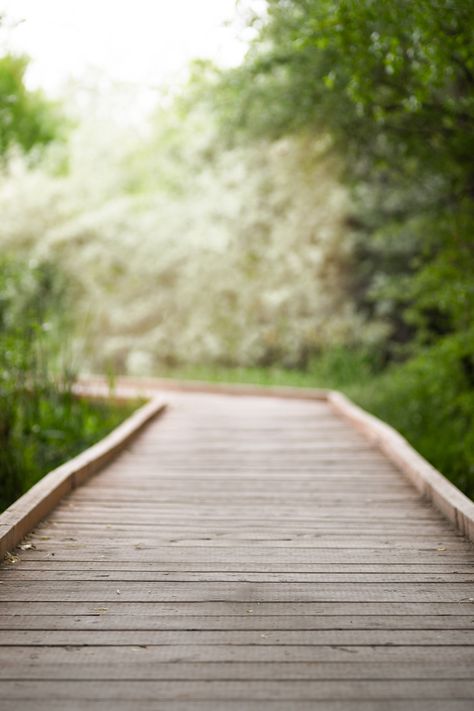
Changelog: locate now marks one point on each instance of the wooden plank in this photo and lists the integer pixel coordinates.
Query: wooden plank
(47, 704)
(74, 665)
(229, 607)
(270, 538)
(243, 592)
(244, 512)
(139, 549)
(192, 517)
(53, 564)
(167, 527)
(121, 576)
(224, 549)
(252, 620)
(241, 691)
(254, 654)
(237, 637)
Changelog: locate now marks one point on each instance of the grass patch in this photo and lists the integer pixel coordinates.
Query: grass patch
(334, 369)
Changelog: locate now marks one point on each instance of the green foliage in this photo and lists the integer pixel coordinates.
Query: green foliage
(41, 422)
(182, 252)
(27, 118)
(430, 400)
(393, 83)
(392, 78)
(415, 274)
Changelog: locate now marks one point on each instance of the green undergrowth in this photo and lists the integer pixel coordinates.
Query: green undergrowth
(46, 432)
(428, 399)
(42, 423)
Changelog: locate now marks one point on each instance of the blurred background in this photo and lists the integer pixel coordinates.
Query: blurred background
(262, 191)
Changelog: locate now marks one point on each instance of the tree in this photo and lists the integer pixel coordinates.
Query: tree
(27, 118)
(393, 83)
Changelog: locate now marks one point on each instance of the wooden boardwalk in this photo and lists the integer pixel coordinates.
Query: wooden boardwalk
(244, 553)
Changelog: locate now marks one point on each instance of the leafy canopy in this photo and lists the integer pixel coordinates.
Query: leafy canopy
(393, 83)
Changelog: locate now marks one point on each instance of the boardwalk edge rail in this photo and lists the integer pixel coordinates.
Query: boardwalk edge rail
(27, 511)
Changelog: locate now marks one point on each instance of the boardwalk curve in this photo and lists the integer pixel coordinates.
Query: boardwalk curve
(241, 553)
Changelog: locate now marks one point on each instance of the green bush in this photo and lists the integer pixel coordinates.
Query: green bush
(430, 401)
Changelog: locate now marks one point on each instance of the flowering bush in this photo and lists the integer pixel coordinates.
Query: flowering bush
(182, 250)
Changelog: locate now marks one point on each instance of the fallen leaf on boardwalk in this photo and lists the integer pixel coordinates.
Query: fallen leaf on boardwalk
(441, 548)
(44, 538)
(27, 546)
(100, 609)
(10, 558)
(118, 592)
(249, 610)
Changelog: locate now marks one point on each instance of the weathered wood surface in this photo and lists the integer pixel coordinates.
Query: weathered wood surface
(243, 553)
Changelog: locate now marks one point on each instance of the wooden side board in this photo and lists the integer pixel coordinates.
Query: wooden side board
(144, 386)
(25, 513)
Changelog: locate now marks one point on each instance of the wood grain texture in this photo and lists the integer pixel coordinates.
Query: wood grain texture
(241, 553)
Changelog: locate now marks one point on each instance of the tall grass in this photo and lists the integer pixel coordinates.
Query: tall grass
(41, 422)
